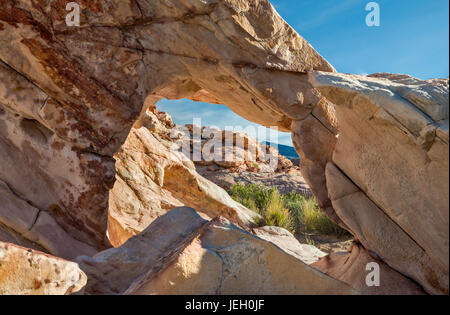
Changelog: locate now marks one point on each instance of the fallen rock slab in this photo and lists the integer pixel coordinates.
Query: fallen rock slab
(181, 253)
(224, 259)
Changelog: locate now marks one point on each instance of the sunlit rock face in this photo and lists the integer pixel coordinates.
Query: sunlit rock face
(27, 272)
(181, 253)
(388, 178)
(374, 149)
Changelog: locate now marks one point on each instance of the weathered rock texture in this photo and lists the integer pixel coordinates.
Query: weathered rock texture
(181, 253)
(374, 150)
(28, 272)
(387, 177)
(23, 224)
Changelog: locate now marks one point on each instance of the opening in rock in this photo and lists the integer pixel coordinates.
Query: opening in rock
(204, 156)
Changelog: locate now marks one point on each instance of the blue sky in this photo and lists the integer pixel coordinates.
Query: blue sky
(412, 39)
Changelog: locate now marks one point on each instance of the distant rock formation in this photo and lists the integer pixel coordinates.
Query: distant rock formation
(228, 157)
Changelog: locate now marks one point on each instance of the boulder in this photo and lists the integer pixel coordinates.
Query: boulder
(181, 253)
(28, 272)
(285, 240)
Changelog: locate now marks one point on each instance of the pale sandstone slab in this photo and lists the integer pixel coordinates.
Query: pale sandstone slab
(224, 259)
(284, 239)
(27, 272)
(390, 148)
(112, 271)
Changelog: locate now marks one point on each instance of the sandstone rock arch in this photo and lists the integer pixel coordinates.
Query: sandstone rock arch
(69, 97)
(89, 84)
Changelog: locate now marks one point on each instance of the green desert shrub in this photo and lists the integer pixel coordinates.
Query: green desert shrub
(292, 211)
(315, 220)
(253, 196)
(276, 214)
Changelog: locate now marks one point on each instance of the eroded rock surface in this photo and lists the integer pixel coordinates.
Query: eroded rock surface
(347, 266)
(28, 272)
(25, 225)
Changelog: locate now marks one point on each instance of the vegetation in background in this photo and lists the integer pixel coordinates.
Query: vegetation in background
(293, 212)
(275, 213)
